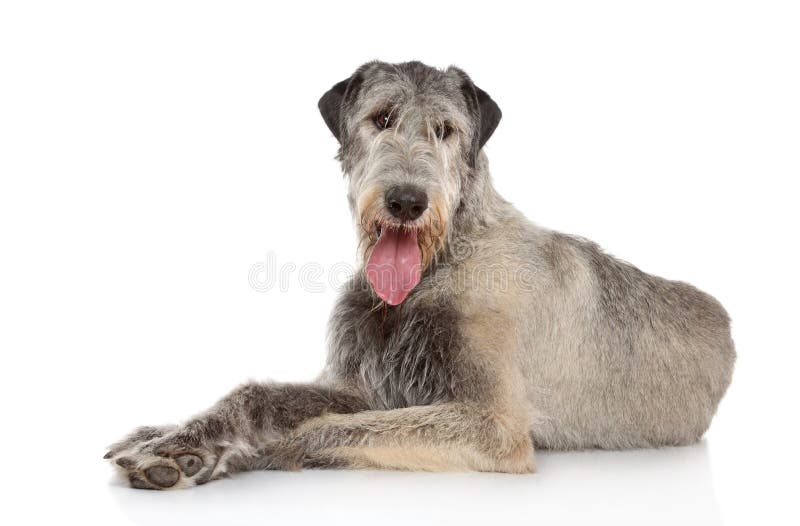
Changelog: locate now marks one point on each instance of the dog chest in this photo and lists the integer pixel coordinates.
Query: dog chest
(402, 356)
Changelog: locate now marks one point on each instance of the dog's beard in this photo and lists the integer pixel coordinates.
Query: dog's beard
(396, 254)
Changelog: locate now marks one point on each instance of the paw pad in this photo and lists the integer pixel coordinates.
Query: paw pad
(161, 461)
(163, 476)
(189, 464)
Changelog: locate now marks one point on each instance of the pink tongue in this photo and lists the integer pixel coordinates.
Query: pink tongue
(395, 266)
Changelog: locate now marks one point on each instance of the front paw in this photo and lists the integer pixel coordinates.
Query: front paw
(157, 458)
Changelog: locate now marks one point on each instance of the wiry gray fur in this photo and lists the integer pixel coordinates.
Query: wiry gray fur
(516, 335)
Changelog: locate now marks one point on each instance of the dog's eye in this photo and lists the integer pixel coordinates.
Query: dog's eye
(384, 120)
(443, 131)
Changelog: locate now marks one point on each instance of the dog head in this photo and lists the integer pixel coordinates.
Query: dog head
(410, 137)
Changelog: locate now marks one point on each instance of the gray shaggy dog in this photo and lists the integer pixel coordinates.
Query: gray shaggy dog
(470, 336)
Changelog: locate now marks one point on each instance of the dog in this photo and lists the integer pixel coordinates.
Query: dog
(469, 336)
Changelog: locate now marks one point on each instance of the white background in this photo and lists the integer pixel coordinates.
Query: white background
(151, 153)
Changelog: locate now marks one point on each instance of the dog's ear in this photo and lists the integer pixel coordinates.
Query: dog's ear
(484, 111)
(342, 95)
(490, 115)
(330, 106)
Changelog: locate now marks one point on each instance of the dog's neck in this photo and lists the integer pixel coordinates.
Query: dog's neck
(480, 207)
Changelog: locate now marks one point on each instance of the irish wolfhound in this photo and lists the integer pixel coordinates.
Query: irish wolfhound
(470, 335)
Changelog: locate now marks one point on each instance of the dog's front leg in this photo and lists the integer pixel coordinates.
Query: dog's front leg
(443, 437)
(227, 438)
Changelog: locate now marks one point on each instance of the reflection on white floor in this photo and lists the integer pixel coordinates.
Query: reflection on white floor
(667, 486)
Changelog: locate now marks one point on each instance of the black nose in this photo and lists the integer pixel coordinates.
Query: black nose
(406, 202)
